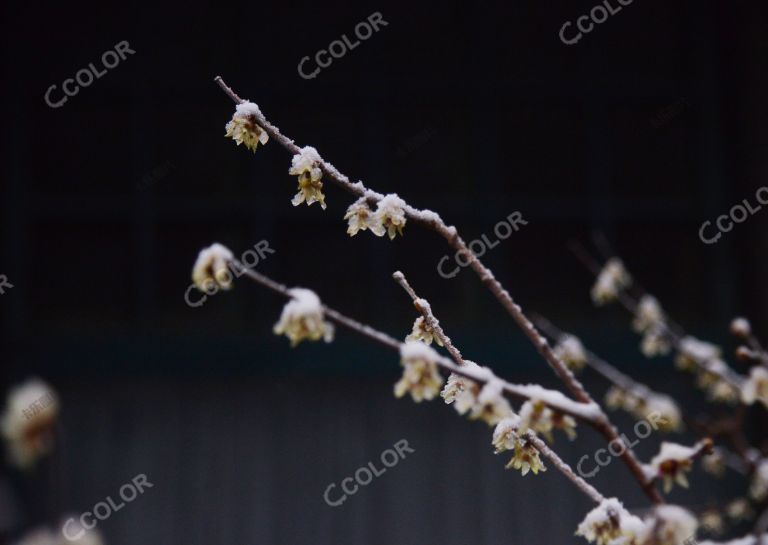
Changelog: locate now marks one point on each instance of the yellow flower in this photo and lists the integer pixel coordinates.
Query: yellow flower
(243, 128)
(302, 318)
(526, 458)
(212, 268)
(490, 405)
(422, 332)
(28, 421)
(420, 377)
(389, 217)
(306, 165)
(756, 386)
(359, 217)
(534, 414)
(611, 523)
(570, 350)
(612, 279)
(672, 463)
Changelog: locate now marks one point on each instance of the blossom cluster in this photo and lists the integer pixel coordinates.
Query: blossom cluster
(642, 402)
(389, 217)
(243, 129)
(611, 524)
(611, 280)
(303, 319)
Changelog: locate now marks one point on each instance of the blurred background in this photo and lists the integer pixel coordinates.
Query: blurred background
(648, 126)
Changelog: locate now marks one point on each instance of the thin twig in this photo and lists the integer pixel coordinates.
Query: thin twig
(425, 310)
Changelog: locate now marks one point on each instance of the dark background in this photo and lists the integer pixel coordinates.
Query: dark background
(471, 109)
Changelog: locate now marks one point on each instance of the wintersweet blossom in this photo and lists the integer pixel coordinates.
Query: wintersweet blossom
(306, 165)
(420, 377)
(389, 217)
(359, 217)
(712, 521)
(570, 350)
(423, 332)
(610, 523)
(526, 458)
(612, 279)
(303, 318)
(651, 322)
(243, 128)
(461, 391)
(714, 463)
(642, 403)
(756, 386)
(671, 464)
(27, 422)
(670, 525)
(534, 414)
(693, 352)
(508, 436)
(741, 327)
(758, 488)
(739, 509)
(212, 268)
(491, 406)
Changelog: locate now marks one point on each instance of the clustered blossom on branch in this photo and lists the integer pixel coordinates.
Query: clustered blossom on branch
(388, 219)
(420, 377)
(611, 524)
(571, 351)
(672, 463)
(243, 128)
(611, 280)
(525, 456)
(423, 332)
(212, 268)
(651, 323)
(302, 318)
(306, 165)
(642, 403)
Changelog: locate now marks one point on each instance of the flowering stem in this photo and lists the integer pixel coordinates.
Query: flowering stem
(426, 311)
(555, 400)
(433, 221)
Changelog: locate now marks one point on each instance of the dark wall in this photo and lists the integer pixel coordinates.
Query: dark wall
(650, 125)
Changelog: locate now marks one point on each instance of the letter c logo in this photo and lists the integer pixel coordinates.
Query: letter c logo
(311, 75)
(328, 500)
(562, 35)
(58, 104)
(66, 533)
